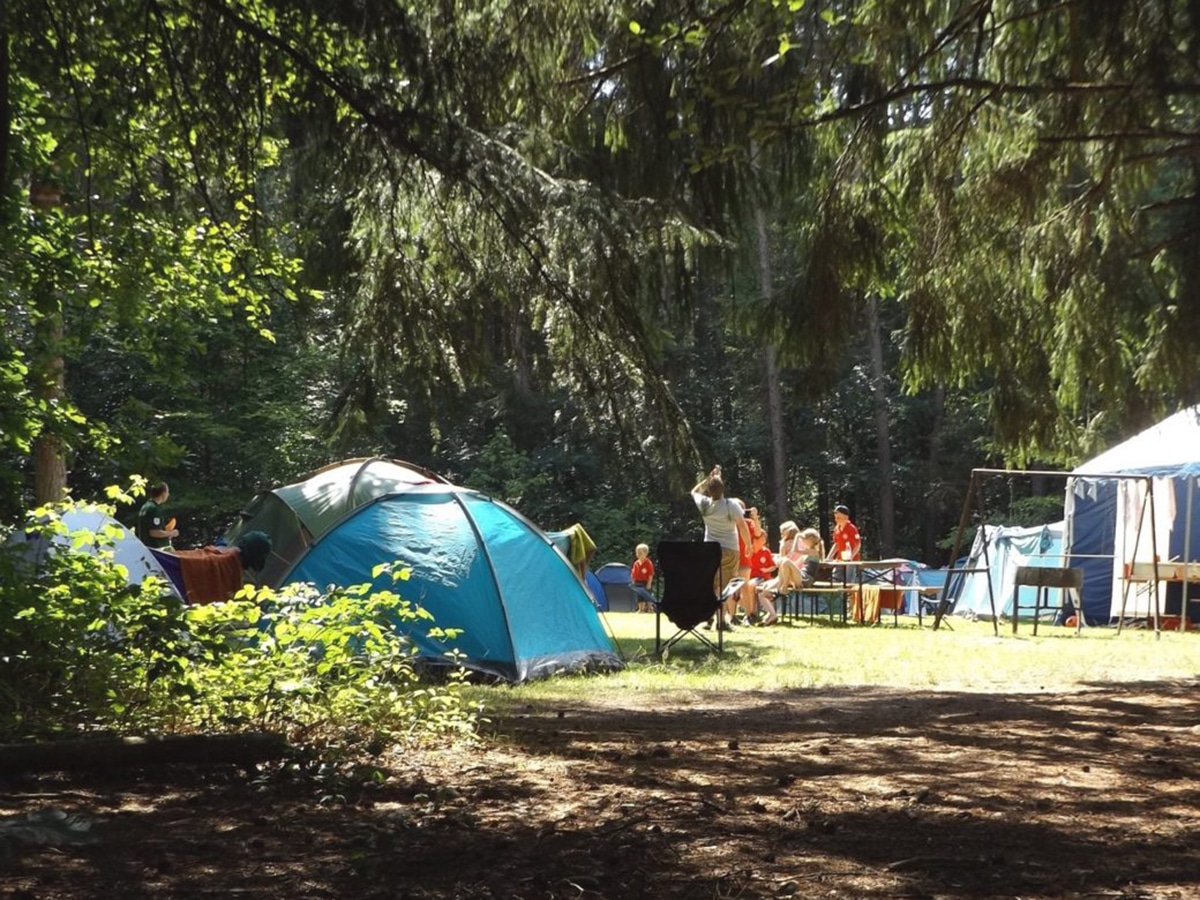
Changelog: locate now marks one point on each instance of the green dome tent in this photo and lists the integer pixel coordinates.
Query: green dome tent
(295, 515)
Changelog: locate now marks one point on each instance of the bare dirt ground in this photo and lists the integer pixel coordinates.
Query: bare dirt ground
(853, 793)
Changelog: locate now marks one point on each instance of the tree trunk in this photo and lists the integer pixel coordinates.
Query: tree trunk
(883, 438)
(49, 463)
(777, 500)
(49, 470)
(5, 108)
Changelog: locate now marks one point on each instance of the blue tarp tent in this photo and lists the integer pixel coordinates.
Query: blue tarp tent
(618, 587)
(914, 574)
(478, 565)
(1008, 547)
(926, 602)
(1109, 523)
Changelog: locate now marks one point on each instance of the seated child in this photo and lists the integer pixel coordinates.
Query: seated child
(762, 568)
(800, 554)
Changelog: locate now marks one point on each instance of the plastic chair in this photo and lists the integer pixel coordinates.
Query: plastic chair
(688, 574)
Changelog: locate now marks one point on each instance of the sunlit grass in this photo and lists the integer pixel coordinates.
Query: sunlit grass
(961, 655)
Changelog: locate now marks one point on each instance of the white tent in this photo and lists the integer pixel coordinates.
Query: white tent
(1145, 508)
(93, 530)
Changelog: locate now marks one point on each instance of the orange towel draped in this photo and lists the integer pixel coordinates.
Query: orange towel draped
(210, 574)
(865, 607)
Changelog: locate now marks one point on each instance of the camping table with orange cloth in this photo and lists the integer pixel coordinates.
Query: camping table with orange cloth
(1156, 573)
(866, 600)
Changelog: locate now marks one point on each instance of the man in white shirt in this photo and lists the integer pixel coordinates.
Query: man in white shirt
(725, 523)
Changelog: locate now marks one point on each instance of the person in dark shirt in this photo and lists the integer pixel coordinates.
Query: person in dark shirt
(153, 528)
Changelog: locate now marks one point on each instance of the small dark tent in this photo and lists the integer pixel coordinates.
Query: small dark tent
(618, 587)
(476, 565)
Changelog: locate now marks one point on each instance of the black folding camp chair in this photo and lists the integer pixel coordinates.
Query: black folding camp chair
(688, 573)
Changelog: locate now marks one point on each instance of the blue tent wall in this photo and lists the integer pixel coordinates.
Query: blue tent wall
(1093, 523)
(476, 565)
(596, 589)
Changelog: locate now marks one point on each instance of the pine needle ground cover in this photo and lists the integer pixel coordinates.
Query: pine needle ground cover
(809, 761)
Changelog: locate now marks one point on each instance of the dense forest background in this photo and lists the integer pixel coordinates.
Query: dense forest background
(575, 253)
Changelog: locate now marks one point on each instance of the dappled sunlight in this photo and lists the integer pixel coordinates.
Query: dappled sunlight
(704, 777)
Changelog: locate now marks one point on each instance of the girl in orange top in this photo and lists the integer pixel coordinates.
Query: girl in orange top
(799, 554)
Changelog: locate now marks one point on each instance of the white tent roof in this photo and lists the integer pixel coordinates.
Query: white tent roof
(1172, 444)
(90, 529)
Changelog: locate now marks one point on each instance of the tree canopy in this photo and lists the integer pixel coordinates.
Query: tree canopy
(241, 236)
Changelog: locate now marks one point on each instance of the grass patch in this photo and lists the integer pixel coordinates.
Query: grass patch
(831, 654)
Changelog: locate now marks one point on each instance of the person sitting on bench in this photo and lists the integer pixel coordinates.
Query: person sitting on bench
(800, 554)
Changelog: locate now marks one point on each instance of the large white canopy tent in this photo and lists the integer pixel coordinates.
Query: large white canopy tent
(1130, 508)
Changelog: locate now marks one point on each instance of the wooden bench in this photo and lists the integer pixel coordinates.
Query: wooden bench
(792, 603)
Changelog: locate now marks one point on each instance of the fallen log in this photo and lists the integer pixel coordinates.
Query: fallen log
(90, 754)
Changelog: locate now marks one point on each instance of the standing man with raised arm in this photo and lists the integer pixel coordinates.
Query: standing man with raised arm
(724, 522)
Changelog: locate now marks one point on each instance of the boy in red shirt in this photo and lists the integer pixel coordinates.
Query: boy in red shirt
(642, 575)
(846, 542)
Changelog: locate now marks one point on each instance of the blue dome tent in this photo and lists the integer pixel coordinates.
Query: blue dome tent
(476, 565)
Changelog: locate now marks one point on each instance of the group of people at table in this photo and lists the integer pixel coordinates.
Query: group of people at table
(764, 575)
(751, 575)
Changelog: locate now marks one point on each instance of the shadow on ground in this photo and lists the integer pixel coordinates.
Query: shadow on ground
(836, 793)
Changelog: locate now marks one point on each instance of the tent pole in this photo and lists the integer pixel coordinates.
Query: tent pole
(1154, 553)
(1137, 540)
(987, 564)
(612, 635)
(1187, 553)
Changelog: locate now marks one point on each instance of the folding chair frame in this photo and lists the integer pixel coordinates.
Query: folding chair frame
(692, 584)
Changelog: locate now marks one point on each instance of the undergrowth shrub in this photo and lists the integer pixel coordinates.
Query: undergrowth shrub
(82, 650)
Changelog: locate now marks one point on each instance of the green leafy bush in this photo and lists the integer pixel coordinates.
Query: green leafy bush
(316, 664)
(81, 649)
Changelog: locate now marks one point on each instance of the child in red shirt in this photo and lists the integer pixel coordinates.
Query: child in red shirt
(847, 544)
(642, 575)
(762, 568)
